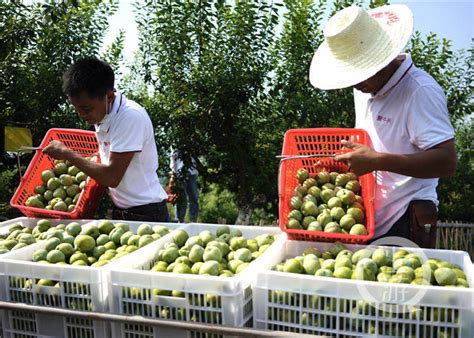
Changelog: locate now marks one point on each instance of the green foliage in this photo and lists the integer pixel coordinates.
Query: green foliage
(217, 205)
(38, 42)
(456, 194)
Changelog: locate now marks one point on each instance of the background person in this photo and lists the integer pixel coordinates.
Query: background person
(127, 148)
(402, 108)
(188, 193)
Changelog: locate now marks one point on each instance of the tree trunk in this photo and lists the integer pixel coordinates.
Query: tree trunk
(244, 214)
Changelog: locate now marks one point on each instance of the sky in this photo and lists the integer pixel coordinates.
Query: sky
(453, 20)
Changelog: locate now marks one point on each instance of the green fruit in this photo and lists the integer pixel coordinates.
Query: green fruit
(369, 264)
(243, 254)
(92, 231)
(48, 195)
(327, 194)
(399, 254)
(445, 276)
(384, 277)
(264, 239)
(105, 226)
(53, 184)
(206, 237)
(296, 202)
(334, 202)
(46, 175)
(98, 251)
(337, 213)
(144, 229)
(323, 177)
(241, 267)
(110, 246)
(343, 272)
(39, 255)
(212, 253)
(346, 222)
(407, 271)
(34, 202)
(102, 239)
(309, 182)
(160, 266)
(170, 254)
(223, 229)
(66, 248)
(43, 225)
(358, 229)
(353, 186)
(26, 238)
(293, 265)
(310, 208)
(382, 257)
(459, 273)
(237, 243)
(294, 224)
(302, 175)
(145, 240)
(324, 273)
(180, 237)
(357, 214)
(332, 227)
(336, 248)
(125, 237)
(52, 243)
(210, 268)
(60, 168)
(55, 256)
(84, 243)
(315, 226)
(343, 261)
(324, 218)
(116, 236)
(182, 268)
(347, 197)
(45, 282)
(78, 256)
(311, 264)
(122, 226)
(66, 180)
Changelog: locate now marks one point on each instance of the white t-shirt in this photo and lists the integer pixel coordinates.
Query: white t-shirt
(128, 128)
(407, 116)
(176, 164)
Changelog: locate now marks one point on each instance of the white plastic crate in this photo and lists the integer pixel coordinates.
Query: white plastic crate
(353, 308)
(207, 299)
(80, 288)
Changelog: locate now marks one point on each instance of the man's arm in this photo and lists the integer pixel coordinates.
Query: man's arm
(438, 161)
(109, 175)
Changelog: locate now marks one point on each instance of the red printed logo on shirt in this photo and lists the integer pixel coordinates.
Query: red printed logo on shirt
(383, 119)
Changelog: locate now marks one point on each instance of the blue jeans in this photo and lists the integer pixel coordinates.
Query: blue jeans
(189, 194)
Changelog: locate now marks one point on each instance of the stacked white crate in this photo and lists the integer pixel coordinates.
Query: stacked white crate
(81, 288)
(208, 299)
(322, 305)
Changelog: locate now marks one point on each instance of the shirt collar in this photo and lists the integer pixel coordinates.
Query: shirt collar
(105, 123)
(396, 77)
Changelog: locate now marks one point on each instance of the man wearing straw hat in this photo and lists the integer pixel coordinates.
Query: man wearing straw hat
(402, 108)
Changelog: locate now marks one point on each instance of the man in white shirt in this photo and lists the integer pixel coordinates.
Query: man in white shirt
(189, 192)
(127, 148)
(402, 108)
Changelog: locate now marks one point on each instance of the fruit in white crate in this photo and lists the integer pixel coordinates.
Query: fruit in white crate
(375, 265)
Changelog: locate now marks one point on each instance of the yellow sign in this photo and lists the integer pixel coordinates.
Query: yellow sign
(17, 137)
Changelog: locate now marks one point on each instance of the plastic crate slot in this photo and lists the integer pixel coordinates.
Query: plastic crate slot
(23, 321)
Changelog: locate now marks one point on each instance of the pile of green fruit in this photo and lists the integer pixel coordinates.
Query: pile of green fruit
(328, 202)
(61, 187)
(17, 237)
(378, 265)
(225, 253)
(95, 245)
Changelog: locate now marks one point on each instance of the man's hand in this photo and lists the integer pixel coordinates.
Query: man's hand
(56, 150)
(361, 160)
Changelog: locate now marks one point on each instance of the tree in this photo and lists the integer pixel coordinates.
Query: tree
(37, 43)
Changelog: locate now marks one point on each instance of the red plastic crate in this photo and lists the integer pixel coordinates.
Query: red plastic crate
(324, 141)
(82, 141)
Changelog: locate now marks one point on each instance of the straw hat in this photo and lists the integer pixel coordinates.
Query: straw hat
(358, 44)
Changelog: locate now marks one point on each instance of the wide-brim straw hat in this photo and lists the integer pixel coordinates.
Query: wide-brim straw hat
(358, 44)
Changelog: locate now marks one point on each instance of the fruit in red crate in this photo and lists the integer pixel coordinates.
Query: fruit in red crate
(296, 202)
(309, 208)
(302, 174)
(309, 182)
(353, 186)
(323, 177)
(34, 201)
(342, 179)
(337, 213)
(332, 227)
(347, 197)
(357, 214)
(327, 194)
(294, 224)
(307, 221)
(346, 222)
(315, 226)
(334, 202)
(296, 214)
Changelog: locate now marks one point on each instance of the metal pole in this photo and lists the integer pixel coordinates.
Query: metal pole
(217, 329)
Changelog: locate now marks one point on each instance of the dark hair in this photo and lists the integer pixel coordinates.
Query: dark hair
(90, 75)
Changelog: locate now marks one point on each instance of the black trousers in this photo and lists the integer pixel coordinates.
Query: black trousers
(153, 212)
